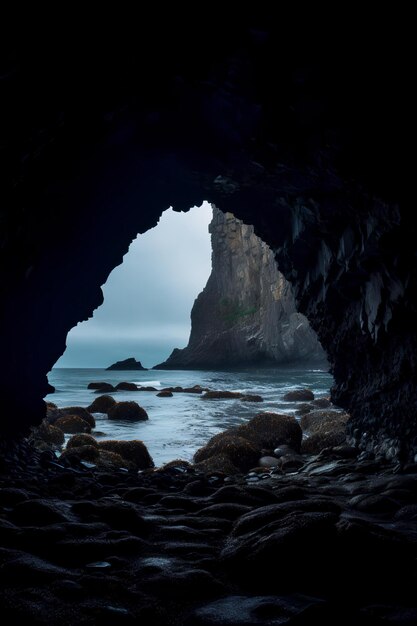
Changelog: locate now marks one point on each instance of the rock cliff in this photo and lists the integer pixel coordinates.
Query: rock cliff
(246, 313)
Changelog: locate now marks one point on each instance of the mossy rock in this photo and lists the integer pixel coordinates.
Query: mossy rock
(80, 412)
(322, 421)
(241, 452)
(135, 452)
(72, 424)
(112, 460)
(271, 430)
(129, 411)
(218, 463)
(102, 404)
(81, 453)
(81, 440)
(49, 434)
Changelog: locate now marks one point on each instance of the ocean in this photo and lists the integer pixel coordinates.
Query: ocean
(178, 426)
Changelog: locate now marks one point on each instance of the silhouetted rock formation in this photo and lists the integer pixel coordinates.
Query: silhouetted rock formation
(127, 364)
(99, 138)
(246, 313)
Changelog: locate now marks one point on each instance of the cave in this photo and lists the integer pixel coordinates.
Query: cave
(303, 142)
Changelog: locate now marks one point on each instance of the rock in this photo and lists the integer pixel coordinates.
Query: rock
(237, 610)
(49, 434)
(127, 364)
(270, 430)
(79, 411)
(299, 395)
(147, 388)
(112, 460)
(39, 512)
(317, 442)
(27, 570)
(246, 313)
(241, 452)
(101, 386)
(165, 394)
(128, 411)
(80, 453)
(72, 424)
(251, 398)
(10, 496)
(268, 461)
(304, 408)
(101, 404)
(283, 450)
(133, 451)
(225, 510)
(322, 421)
(217, 463)
(81, 440)
(126, 387)
(322, 403)
(221, 395)
(177, 465)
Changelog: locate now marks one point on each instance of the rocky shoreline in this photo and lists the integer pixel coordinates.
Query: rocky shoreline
(325, 538)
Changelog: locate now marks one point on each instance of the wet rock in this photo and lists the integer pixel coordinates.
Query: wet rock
(179, 502)
(102, 404)
(270, 430)
(299, 395)
(10, 496)
(374, 503)
(304, 408)
(264, 516)
(241, 452)
(23, 568)
(80, 453)
(147, 388)
(116, 513)
(323, 420)
(317, 442)
(81, 440)
(221, 395)
(100, 386)
(81, 412)
(251, 398)
(237, 610)
(268, 461)
(72, 424)
(125, 386)
(111, 460)
(49, 434)
(127, 411)
(322, 403)
(226, 510)
(165, 394)
(40, 512)
(134, 451)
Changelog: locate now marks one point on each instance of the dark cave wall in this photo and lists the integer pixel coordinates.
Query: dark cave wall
(96, 141)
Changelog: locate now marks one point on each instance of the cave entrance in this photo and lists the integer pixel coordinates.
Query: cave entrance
(247, 336)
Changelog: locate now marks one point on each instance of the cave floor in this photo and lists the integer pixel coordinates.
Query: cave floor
(334, 543)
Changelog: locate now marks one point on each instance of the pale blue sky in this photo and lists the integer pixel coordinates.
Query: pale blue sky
(148, 299)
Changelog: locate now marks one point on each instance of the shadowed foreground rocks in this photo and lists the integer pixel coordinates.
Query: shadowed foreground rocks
(333, 542)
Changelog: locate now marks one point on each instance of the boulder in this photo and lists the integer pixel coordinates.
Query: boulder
(101, 404)
(81, 440)
(241, 452)
(112, 460)
(165, 394)
(323, 420)
(299, 395)
(124, 386)
(271, 430)
(100, 386)
(221, 395)
(80, 412)
(217, 463)
(128, 411)
(135, 452)
(319, 441)
(72, 424)
(80, 453)
(49, 434)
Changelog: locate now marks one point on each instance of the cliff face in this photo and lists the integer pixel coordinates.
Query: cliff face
(246, 313)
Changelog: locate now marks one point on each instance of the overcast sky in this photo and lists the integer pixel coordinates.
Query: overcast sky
(148, 299)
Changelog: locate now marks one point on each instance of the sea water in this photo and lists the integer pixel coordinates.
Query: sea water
(179, 425)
